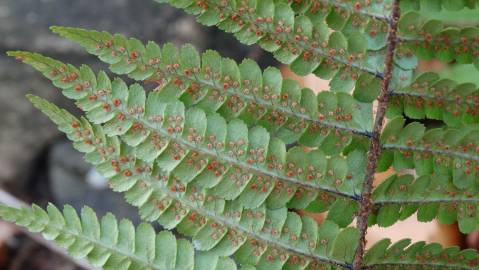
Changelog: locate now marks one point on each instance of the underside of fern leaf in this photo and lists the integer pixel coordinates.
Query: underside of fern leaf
(226, 154)
(110, 244)
(254, 236)
(232, 159)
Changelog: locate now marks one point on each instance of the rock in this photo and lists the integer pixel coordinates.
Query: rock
(24, 131)
(25, 26)
(25, 23)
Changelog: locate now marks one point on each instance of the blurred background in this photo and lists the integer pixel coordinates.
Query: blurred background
(37, 164)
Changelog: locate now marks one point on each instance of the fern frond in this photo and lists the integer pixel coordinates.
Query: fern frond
(431, 97)
(363, 19)
(227, 154)
(442, 151)
(329, 9)
(243, 91)
(110, 244)
(194, 146)
(398, 197)
(263, 237)
(419, 255)
(381, 9)
(368, 20)
(449, 151)
(429, 39)
(438, 5)
(305, 44)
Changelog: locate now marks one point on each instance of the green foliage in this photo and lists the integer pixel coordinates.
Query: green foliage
(225, 153)
(443, 151)
(430, 256)
(298, 35)
(398, 197)
(235, 162)
(430, 39)
(263, 236)
(431, 97)
(437, 5)
(110, 244)
(243, 91)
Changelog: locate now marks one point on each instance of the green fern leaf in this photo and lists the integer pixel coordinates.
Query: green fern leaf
(378, 10)
(226, 153)
(426, 39)
(444, 151)
(431, 97)
(260, 236)
(398, 197)
(429, 39)
(438, 5)
(190, 145)
(241, 91)
(364, 22)
(232, 181)
(403, 254)
(110, 244)
(303, 41)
